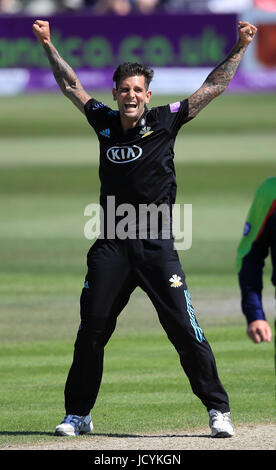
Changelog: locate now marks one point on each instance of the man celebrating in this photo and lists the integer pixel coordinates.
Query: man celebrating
(136, 167)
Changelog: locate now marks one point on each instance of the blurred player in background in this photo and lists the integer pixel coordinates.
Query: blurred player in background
(136, 166)
(259, 237)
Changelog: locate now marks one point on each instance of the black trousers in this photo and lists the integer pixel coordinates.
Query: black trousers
(115, 269)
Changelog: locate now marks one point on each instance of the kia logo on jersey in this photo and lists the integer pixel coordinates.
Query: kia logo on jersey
(124, 154)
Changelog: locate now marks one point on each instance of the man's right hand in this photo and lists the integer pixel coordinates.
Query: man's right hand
(259, 331)
(42, 31)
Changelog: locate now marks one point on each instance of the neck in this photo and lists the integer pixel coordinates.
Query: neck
(128, 123)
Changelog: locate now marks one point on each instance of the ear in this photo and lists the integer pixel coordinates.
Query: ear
(114, 93)
(148, 96)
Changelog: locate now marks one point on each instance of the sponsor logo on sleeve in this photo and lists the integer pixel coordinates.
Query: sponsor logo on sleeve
(247, 228)
(174, 107)
(98, 106)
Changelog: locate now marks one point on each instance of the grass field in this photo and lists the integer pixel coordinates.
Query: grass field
(48, 174)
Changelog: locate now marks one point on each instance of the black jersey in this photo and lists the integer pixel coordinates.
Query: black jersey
(137, 166)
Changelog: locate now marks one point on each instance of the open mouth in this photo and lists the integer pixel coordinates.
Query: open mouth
(129, 106)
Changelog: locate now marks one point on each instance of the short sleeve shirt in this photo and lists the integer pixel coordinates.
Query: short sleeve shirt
(137, 166)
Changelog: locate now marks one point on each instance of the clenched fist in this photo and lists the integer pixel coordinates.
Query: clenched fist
(259, 330)
(246, 32)
(42, 31)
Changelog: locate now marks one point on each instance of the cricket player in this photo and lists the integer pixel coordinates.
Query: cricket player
(259, 238)
(136, 167)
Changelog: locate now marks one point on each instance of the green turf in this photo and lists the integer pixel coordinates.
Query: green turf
(48, 174)
(51, 114)
(137, 395)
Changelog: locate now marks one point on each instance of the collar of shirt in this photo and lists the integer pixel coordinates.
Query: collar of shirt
(133, 131)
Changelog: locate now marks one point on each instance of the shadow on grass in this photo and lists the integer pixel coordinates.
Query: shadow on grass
(147, 436)
(111, 435)
(25, 433)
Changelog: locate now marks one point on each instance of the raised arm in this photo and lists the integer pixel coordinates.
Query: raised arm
(219, 79)
(63, 73)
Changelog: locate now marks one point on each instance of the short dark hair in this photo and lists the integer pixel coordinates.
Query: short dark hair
(130, 69)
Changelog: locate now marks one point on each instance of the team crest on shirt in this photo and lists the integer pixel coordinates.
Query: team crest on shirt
(145, 131)
(175, 281)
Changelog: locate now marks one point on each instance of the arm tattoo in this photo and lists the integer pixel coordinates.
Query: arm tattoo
(66, 77)
(216, 82)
